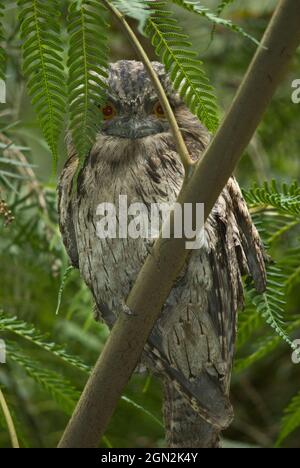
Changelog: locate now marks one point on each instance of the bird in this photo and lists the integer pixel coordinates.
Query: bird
(191, 347)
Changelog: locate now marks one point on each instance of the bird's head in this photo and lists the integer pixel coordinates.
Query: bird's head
(133, 110)
(134, 120)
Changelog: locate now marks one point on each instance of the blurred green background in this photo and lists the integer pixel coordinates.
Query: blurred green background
(41, 385)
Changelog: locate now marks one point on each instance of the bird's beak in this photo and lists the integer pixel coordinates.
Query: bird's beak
(132, 128)
(140, 129)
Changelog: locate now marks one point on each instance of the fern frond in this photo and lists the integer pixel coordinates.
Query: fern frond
(285, 198)
(64, 279)
(264, 348)
(2, 51)
(270, 305)
(87, 63)
(60, 389)
(172, 46)
(136, 9)
(222, 5)
(29, 333)
(195, 6)
(291, 420)
(43, 65)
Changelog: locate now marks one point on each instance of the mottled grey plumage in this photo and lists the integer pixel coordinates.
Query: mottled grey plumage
(192, 345)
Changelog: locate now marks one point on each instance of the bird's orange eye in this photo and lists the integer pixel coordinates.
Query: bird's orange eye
(159, 110)
(108, 111)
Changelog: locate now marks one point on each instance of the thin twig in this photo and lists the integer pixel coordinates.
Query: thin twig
(9, 421)
(15, 153)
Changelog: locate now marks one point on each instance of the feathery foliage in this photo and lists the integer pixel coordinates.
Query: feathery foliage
(194, 6)
(285, 199)
(222, 5)
(87, 63)
(264, 348)
(29, 333)
(290, 421)
(65, 277)
(172, 46)
(43, 65)
(271, 304)
(59, 388)
(275, 211)
(2, 52)
(32, 253)
(136, 9)
(9, 164)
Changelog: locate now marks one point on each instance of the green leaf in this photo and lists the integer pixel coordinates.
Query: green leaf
(263, 348)
(271, 304)
(87, 63)
(136, 9)
(29, 333)
(291, 420)
(195, 6)
(59, 388)
(222, 5)
(65, 277)
(186, 71)
(43, 65)
(285, 198)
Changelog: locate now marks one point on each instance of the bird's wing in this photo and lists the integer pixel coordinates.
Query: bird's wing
(65, 209)
(195, 341)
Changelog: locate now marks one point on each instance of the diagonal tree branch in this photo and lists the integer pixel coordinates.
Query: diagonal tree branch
(129, 335)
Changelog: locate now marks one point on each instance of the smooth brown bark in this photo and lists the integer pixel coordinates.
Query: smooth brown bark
(129, 335)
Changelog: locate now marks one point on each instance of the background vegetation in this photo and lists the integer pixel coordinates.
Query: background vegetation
(50, 354)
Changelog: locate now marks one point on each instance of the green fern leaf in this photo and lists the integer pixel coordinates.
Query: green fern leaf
(285, 199)
(172, 46)
(195, 6)
(136, 9)
(222, 5)
(87, 63)
(60, 389)
(2, 51)
(291, 420)
(264, 348)
(270, 305)
(43, 65)
(29, 333)
(64, 279)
